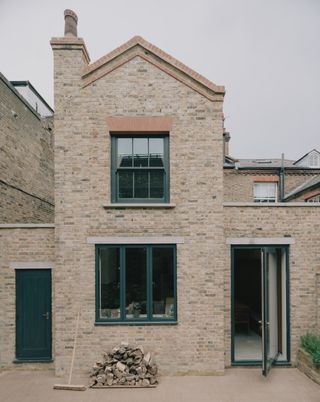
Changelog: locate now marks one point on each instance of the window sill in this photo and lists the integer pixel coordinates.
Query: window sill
(39, 360)
(136, 323)
(139, 205)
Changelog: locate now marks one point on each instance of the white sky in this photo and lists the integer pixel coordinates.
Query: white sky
(265, 52)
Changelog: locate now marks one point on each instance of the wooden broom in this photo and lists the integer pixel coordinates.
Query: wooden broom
(69, 386)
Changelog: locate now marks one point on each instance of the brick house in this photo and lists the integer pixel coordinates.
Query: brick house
(160, 237)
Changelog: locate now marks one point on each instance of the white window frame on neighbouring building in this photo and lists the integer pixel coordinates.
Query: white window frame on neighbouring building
(265, 191)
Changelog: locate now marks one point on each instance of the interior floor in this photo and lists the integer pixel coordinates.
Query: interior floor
(248, 346)
(247, 305)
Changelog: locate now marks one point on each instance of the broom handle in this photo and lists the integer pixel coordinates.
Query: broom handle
(74, 348)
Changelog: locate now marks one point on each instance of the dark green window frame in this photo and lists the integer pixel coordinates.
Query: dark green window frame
(115, 170)
(149, 318)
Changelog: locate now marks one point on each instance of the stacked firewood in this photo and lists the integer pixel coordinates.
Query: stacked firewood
(125, 366)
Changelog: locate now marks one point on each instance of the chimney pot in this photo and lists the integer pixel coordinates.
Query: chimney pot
(71, 22)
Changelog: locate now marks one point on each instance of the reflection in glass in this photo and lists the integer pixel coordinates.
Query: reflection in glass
(140, 151)
(140, 184)
(124, 152)
(110, 283)
(136, 282)
(125, 184)
(156, 151)
(163, 282)
(157, 184)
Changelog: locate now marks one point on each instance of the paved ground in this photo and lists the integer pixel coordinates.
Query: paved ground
(237, 385)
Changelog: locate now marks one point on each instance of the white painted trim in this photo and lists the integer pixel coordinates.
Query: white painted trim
(271, 204)
(26, 225)
(136, 240)
(260, 240)
(31, 265)
(140, 205)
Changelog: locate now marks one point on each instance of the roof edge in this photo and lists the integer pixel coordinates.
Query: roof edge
(138, 40)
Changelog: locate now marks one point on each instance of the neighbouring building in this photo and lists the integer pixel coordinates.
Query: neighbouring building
(160, 237)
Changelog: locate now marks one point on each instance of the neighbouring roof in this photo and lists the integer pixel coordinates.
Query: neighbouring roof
(305, 160)
(272, 163)
(137, 46)
(259, 163)
(32, 96)
(308, 185)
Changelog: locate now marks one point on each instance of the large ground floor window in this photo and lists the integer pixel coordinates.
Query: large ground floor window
(136, 283)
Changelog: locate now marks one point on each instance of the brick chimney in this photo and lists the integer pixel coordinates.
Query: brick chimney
(70, 23)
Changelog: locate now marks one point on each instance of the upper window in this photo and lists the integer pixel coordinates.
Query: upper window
(315, 198)
(135, 283)
(265, 192)
(140, 168)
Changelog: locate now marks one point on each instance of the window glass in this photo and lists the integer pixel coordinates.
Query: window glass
(140, 151)
(265, 192)
(109, 271)
(156, 184)
(141, 184)
(162, 282)
(140, 169)
(124, 152)
(136, 282)
(156, 151)
(125, 184)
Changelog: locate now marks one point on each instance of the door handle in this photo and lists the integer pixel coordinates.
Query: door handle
(46, 315)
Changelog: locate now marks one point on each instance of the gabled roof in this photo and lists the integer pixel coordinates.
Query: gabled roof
(312, 183)
(137, 46)
(264, 163)
(306, 155)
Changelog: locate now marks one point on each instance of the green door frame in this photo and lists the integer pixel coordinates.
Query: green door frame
(286, 362)
(44, 312)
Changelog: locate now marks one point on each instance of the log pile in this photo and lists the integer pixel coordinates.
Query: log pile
(125, 366)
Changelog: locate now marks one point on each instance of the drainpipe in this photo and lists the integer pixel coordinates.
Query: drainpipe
(282, 179)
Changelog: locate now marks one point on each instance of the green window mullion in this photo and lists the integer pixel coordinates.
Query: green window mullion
(149, 181)
(149, 282)
(122, 283)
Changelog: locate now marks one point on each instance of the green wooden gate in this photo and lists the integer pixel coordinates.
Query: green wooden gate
(33, 315)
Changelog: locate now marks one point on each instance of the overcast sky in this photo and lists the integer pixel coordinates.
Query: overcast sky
(265, 52)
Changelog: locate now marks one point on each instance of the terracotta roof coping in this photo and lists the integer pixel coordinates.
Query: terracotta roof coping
(138, 40)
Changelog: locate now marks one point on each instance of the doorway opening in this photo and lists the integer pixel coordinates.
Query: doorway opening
(260, 319)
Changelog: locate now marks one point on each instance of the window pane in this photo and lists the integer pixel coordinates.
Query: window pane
(156, 151)
(124, 152)
(265, 192)
(157, 184)
(141, 184)
(136, 282)
(109, 268)
(140, 150)
(125, 184)
(163, 282)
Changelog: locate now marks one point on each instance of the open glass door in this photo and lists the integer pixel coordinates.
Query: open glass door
(270, 336)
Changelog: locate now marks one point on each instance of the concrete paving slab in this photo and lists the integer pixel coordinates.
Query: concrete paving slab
(237, 385)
